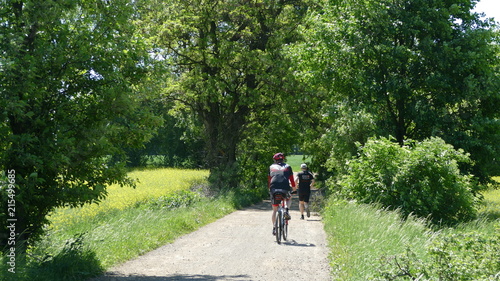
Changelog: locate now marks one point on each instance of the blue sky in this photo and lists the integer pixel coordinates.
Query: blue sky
(490, 7)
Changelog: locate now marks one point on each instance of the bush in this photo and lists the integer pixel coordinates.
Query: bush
(422, 178)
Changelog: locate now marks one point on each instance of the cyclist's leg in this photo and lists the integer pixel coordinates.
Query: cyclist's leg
(275, 209)
(274, 204)
(288, 204)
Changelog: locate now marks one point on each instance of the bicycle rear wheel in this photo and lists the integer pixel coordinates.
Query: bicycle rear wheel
(277, 225)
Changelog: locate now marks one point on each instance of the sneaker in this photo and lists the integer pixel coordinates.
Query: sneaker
(287, 216)
(308, 213)
(302, 217)
(274, 230)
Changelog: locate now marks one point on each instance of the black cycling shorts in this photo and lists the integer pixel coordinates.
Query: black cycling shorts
(278, 194)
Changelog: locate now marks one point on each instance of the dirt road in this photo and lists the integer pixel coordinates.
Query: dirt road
(239, 246)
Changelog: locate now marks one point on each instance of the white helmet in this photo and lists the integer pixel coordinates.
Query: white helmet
(303, 166)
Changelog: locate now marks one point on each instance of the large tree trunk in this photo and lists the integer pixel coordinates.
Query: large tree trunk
(222, 132)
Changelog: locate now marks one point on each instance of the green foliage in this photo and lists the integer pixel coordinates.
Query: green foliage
(370, 243)
(415, 69)
(464, 256)
(422, 179)
(177, 142)
(70, 73)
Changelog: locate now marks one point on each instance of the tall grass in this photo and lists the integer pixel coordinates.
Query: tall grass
(364, 237)
(360, 235)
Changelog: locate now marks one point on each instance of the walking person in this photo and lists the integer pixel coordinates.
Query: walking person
(279, 180)
(305, 181)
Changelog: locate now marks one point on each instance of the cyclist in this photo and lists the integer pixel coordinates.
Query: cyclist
(279, 179)
(305, 180)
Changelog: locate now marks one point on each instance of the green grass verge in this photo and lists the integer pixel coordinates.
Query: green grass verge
(122, 235)
(359, 235)
(80, 247)
(367, 243)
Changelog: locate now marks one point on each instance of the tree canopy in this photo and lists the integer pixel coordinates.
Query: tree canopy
(69, 71)
(412, 69)
(226, 66)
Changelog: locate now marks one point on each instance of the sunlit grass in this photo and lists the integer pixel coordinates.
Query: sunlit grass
(295, 160)
(151, 184)
(360, 235)
(489, 210)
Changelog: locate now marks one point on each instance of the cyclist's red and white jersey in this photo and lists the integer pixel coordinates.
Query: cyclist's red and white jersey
(280, 176)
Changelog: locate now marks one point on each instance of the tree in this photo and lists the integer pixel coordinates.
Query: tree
(227, 65)
(420, 68)
(68, 71)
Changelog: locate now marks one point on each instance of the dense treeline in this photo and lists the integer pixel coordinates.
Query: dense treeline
(88, 87)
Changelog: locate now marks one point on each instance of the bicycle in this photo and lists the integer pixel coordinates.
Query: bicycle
(280, 223)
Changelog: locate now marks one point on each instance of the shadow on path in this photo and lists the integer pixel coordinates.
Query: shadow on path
(297, 244)
(179, 277)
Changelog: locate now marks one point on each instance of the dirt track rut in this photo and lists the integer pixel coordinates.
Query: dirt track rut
(239, 246)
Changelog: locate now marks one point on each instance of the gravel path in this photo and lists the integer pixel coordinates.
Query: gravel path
(239, 246)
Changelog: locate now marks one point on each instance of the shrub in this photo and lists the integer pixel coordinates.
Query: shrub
(422, 178)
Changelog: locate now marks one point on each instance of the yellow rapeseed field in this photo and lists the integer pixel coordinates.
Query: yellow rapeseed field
(151, 184)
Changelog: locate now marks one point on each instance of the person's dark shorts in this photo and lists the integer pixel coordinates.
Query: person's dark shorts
(279, 194)
(304, 197)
